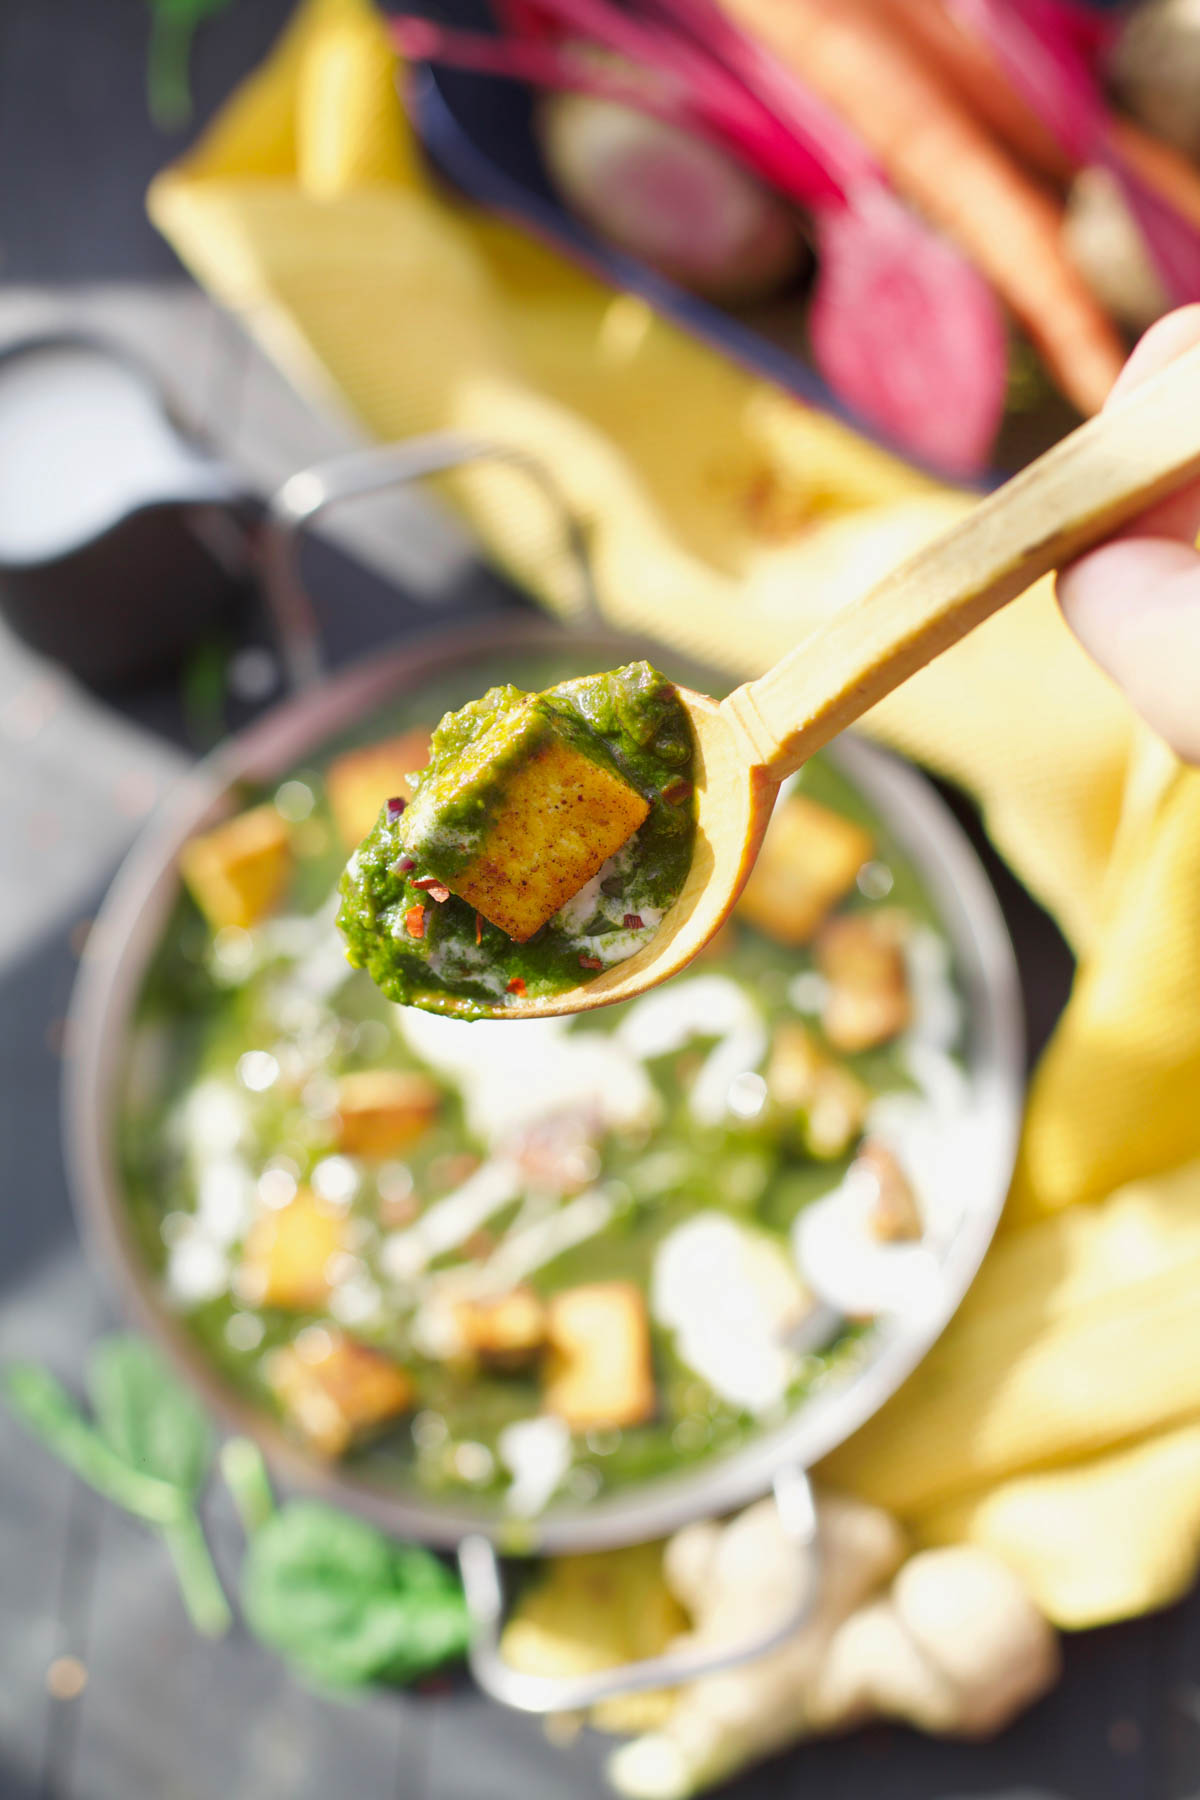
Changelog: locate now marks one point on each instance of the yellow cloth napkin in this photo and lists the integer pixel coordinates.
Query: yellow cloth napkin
(1058, 1421)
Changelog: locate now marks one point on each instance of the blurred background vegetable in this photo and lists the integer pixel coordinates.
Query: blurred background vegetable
(937, 191)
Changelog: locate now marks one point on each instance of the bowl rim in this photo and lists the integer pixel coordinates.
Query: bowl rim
(127, 931)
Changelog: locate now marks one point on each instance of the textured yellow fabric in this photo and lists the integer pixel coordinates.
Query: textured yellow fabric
(726, 518)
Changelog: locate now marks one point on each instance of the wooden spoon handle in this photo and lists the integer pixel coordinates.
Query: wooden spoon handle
(1143, 447)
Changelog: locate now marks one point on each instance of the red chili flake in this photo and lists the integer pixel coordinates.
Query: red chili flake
(517, 986)
(479, 928)
(633, 921)
(436, 889)
(414, 921)
(395, 807)
(590, 962)
(676, 792)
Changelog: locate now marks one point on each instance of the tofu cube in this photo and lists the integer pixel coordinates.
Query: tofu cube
(827, 1101)
(600, 1373)
(238, 872)
(383, 1111)
(862, 958)
(359, 782)
(507, 1331)
(893, 1217)
(552, 813)
(336, 1391)
(285, 1259)
(809, 859)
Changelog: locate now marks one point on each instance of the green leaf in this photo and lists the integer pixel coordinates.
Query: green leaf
(344, 1603)
(172, 26)
(150, 1455)
(248, 1482)
(46, 1409)
(147, 1416)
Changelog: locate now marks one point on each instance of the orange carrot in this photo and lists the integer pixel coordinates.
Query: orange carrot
(1171, 175)
(944, 162)
(967, 65)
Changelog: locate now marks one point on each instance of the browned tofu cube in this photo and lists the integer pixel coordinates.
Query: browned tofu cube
(238, 872)
(383, 1111)
(359, 782)
(894, 1216)
(600, 1373)
(555, 813)
(506, 1331)
(285, 1259)
(336, 1391)
(809, 859)
(862, 958)
(827, 1101)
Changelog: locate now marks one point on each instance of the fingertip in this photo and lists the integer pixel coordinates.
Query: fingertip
(1159, 345)
(1134, 605)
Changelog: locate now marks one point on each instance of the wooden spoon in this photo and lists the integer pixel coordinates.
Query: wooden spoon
(1140, 449)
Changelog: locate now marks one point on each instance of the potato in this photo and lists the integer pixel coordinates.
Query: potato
(600, 1374)
(809, 859)
(862, 958)
(383, 1111)
(506, 1331)
(359, 782)
(285, 1259)
(337, 1391)
(238, 872)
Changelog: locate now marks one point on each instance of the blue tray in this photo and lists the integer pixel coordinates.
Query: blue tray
(477, 131)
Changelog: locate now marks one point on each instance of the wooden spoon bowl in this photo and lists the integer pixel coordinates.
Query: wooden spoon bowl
(1143, 447)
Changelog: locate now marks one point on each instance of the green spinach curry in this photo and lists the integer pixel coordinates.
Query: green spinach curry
(532, 1266)
(543, 842)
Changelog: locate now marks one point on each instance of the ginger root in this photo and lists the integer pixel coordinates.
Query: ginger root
(954, 1646)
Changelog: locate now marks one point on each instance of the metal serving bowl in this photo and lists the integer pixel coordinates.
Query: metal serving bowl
(130, 929)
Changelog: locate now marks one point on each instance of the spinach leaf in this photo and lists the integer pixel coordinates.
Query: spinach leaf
(149, 1452)
(344, 1603)
(147, 1415)
(46, 1409)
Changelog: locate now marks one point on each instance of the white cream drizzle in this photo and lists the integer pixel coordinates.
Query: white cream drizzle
(705, 1006)
(537, 1454)
(731, 1297)
(450, 1221)
(531, 1071)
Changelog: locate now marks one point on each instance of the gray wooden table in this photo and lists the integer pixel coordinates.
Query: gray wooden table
(105, 1693)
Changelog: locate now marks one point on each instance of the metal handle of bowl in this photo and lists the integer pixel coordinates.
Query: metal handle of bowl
(315, 490)
(484, 1589)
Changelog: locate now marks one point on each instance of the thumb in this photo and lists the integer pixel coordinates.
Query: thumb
(1134, 603)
